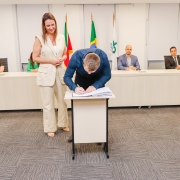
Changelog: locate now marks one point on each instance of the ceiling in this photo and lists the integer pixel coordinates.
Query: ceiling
(84, 1)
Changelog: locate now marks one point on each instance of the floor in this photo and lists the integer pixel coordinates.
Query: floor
(144, 144)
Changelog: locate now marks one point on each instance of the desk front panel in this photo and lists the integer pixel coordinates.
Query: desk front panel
(89, 120)
(151, 88)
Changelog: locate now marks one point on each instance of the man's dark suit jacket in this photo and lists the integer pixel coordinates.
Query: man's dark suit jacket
(169, 62)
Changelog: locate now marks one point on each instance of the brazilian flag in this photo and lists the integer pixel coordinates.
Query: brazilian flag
(93, 40)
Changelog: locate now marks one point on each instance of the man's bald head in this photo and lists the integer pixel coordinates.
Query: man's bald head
(128, 50)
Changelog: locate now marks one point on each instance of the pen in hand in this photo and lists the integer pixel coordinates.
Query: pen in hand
(79, 90)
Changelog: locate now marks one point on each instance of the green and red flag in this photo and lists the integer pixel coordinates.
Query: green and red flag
(69, 49)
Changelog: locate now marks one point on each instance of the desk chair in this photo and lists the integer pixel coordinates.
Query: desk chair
(117, 59)
(5, 64)
(165, 60)
(168, 57)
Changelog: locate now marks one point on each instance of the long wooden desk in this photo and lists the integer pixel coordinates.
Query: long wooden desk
(145, 88)
(18, 90)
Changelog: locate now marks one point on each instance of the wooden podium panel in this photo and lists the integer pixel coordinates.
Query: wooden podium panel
(90, 120)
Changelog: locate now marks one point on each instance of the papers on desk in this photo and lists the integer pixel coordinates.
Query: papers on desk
(105, 91)
(142, 71)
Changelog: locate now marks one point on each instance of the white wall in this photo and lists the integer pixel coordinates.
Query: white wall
(179, 30)
(131, 26)
(103, 20)
(29, 25)
(8, 40)
(74, 22)
(79, 23)
(163, 30)
(84, 1)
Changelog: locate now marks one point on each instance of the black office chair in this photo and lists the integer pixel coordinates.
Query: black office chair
(110, 63)
(5, 64)
(167, 57)
(117, 58)
(117, 62)
(165, 60)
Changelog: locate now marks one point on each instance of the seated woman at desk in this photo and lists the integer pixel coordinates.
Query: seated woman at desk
(1, 67)
(32, 66)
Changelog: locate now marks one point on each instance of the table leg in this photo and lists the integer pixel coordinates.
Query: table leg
(106, 144)
(73, 148)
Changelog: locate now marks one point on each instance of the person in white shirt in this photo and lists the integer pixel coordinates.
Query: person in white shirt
(173, 61)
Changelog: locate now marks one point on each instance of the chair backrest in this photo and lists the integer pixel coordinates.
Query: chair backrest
(5, 64)
(117, 58)
(167, 56)
(117, 61)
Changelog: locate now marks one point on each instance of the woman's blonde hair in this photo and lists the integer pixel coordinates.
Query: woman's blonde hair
(45, 17)
(92, 61)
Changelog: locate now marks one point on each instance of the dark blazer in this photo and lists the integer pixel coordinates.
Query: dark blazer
(169, 62)
(1, 64)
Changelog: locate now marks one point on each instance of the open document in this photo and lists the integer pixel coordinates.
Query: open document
(105, 91)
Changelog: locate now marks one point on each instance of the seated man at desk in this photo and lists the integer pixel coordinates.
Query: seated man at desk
(173, 61)
(1, 67)
(92, 70)
(128, 61)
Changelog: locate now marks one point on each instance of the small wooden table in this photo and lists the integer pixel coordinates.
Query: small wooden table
(89, 120)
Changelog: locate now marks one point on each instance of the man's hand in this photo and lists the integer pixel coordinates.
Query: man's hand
(90, 89)
(132, 68)
(79, 90)
(178, 67)
(127, 69)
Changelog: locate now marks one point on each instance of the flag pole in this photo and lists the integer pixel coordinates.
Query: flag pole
(113, 19)
(66, 22)
(91, 17)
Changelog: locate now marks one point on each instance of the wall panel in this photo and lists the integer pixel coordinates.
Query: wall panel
(29, 25)
(131, 25)
(75, 22)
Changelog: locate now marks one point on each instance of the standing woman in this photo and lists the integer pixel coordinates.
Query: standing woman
(49, 51)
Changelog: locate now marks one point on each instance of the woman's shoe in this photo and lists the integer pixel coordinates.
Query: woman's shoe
(51, 134)
(65, 129)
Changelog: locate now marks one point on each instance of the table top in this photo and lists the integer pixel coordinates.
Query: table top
(159, 72)
(17, 74)
(151, 72)
(69, 96)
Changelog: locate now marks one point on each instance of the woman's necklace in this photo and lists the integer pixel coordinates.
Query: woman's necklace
(52, 39)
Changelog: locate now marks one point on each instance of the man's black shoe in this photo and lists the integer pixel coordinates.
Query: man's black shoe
(70, 139)
(99, 144)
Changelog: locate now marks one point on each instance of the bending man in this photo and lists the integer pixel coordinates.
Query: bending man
(92, 70)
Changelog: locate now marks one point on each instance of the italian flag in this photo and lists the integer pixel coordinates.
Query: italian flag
(68, 45)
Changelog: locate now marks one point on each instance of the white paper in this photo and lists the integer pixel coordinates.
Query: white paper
(105, 91)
